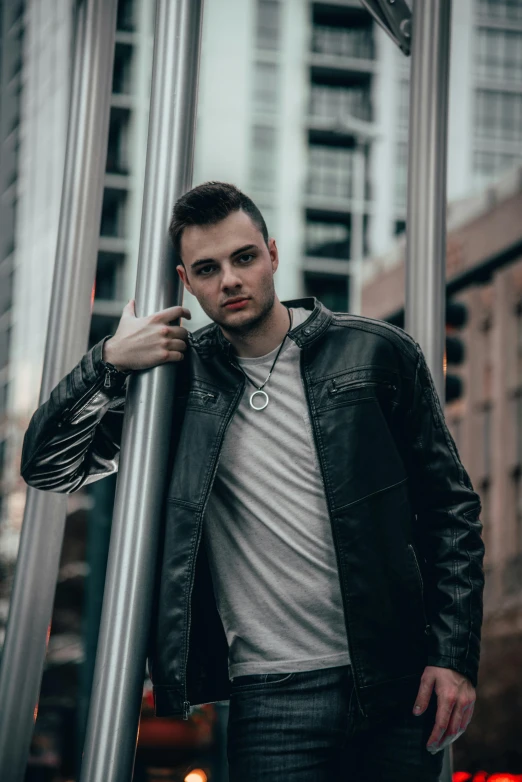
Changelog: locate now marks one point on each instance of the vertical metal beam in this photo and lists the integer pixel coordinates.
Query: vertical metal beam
(112, 726)
(426, 213)
(70, 313)
(357, 225)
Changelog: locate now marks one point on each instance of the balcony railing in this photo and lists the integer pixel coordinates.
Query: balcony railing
(343, 42)
(335, 103)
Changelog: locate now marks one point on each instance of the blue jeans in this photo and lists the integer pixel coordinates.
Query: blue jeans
(307, 727)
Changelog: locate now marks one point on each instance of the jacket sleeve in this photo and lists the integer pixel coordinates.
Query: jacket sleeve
(448, 531)
(74, 437)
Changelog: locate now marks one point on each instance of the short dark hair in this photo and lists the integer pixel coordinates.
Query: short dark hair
(208, 204)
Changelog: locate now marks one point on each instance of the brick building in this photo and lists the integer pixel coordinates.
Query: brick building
(484, 271)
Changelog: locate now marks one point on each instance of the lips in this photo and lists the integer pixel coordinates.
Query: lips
(236, 303)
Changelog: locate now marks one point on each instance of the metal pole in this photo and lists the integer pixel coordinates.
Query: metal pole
(70, 312)
(357, 226)
(112, 726)
(426, 214)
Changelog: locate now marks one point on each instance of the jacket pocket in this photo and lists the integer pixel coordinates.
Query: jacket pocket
(339, 386)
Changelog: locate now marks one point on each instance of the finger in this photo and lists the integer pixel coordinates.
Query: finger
(442, 745)
(129, 308)
(467, 716)
(176, 355)
(177, 345)
(445, 707)
(455, 721)
(424, 694)
(173, 313)
(178, 332)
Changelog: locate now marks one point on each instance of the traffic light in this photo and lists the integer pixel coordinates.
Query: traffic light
(455, 353)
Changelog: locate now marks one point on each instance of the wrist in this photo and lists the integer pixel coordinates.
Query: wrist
(110, 356)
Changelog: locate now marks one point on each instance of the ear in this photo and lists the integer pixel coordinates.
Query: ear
(182, 272)
(274, 254)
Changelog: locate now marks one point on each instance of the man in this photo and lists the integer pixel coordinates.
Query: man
(321, 558)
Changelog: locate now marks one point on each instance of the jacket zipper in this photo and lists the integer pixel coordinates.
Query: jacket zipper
(203, 394)
(353, 384)
(186, 702)
(355, 683)
(421, 582)
(68, 414)
(80, 405)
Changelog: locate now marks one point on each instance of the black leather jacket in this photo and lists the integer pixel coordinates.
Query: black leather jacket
(404, 515)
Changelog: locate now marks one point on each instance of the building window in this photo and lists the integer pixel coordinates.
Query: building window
(498, 55)
(125, 16)
(122, 71)
(507, 10)
(118, 143)
(327, 239)
(498, 115)
(268, 24)
(336, 102)
(263, 164)
(107, 275)
(113, 213)
(331, 290)
(330, 171)
(488, 166)
(266, 86)
(343, 42)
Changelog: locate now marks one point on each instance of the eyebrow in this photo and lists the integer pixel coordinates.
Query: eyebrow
(239, 251)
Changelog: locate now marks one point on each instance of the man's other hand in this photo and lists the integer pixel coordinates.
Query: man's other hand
(455, 704)
(142, 343)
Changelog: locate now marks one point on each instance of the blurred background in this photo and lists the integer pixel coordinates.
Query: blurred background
(304, 105)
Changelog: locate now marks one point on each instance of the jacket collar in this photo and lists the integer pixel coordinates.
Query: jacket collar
(314, 326)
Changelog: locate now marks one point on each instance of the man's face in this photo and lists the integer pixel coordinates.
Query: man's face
(229, 269)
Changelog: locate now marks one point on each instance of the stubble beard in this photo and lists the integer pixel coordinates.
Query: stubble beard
(256, 323)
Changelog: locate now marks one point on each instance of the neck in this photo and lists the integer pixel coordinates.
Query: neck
(263, 337)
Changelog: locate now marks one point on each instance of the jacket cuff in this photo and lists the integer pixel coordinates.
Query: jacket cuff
(114, 378)
(463, 667)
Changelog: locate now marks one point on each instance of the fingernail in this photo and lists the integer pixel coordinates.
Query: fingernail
(433, 747)
(417, 710)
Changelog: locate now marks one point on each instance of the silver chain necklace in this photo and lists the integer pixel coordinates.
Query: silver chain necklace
(259, 389)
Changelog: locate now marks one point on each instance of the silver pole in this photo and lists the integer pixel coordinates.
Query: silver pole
(112, 727)
(426, 215)
(68, 328)
(357, 227)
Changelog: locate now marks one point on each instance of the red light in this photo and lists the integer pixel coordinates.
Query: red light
(483, 776)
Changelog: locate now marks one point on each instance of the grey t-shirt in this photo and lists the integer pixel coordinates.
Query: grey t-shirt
(268, 534)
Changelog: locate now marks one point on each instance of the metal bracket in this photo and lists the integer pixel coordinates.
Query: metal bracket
(394, 16)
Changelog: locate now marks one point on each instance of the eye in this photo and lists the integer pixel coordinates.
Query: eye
(204, 271)
(246, 258)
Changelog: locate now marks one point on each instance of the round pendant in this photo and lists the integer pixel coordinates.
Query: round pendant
(263, 401)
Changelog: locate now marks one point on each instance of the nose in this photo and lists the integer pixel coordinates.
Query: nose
(229, 277)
